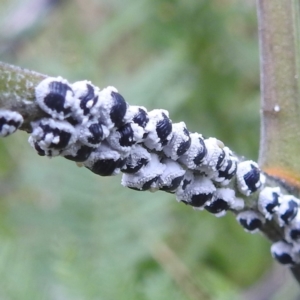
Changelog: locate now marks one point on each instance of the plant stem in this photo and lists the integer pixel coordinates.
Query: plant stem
(280, 91)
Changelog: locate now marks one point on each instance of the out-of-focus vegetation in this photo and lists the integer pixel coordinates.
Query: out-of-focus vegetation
(66, 233)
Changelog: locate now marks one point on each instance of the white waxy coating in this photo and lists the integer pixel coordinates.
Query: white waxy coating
(43, 90)
(268, 201)
(292, 230)
(149, 172)
(10, 121)
(214, 149)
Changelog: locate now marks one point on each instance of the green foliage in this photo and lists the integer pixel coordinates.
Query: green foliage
(66, 233)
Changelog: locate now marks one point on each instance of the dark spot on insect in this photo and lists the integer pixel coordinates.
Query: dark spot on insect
(291, 212)
(295, 234)
(252, 178)
(131, 168)
(220, 160)
(201, 153)
(106, 167)
(252, 224)
(185, 145)
(217, 206)
(118, 109)
(141, 118)
(185, 183)
(82, 154)
(145, 135)
(200, 199)
(96, 131)
(275, 202)
(164, 128)
(127, 135)
(55, 100)
(284, 258)
(174, 184)
(147, 185)
(72, 121)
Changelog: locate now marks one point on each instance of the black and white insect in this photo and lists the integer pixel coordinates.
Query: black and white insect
(158, 130)
(250, 220)
(179, 143)
(105, 161)
(223, 200)
(172, 176)
(196, 153)
(147, 177)
(92, 133)
(86, 99)
(197, 193)
(249, 178)
(55, 97)
(112, 108)
(284, 254)
(292, 230)
(268, 201)
(287, 210)
(137, 158)
(50, 137)
(123, 138)
(77, 152)
(10, 121)
(137, 115)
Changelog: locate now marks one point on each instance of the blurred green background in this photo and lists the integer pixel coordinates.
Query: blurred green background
(66, 233)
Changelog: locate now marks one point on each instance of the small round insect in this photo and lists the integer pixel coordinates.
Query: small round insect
(287, 210)
(52, 136)
(249, 177)
(137, 158)
(172, 176)
(158, 130)
(223, 200)
(179, 143)
(86, 99)
(284, 254)
(123, 138)
(55, 97)
(268, 201)
(146, 178)
(112, 107)
(137, 115)
(292, 230)
(197, 151)
(250, 220)
(198, 193)
(77, 152)
(105, 161)
(10, 121)
(227, 170)
(92, 133)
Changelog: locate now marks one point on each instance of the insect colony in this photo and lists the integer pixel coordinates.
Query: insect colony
(100, 130)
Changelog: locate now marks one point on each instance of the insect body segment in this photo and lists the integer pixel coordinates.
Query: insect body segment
(10, 121)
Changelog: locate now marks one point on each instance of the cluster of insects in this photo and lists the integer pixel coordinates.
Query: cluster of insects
(100, 130)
